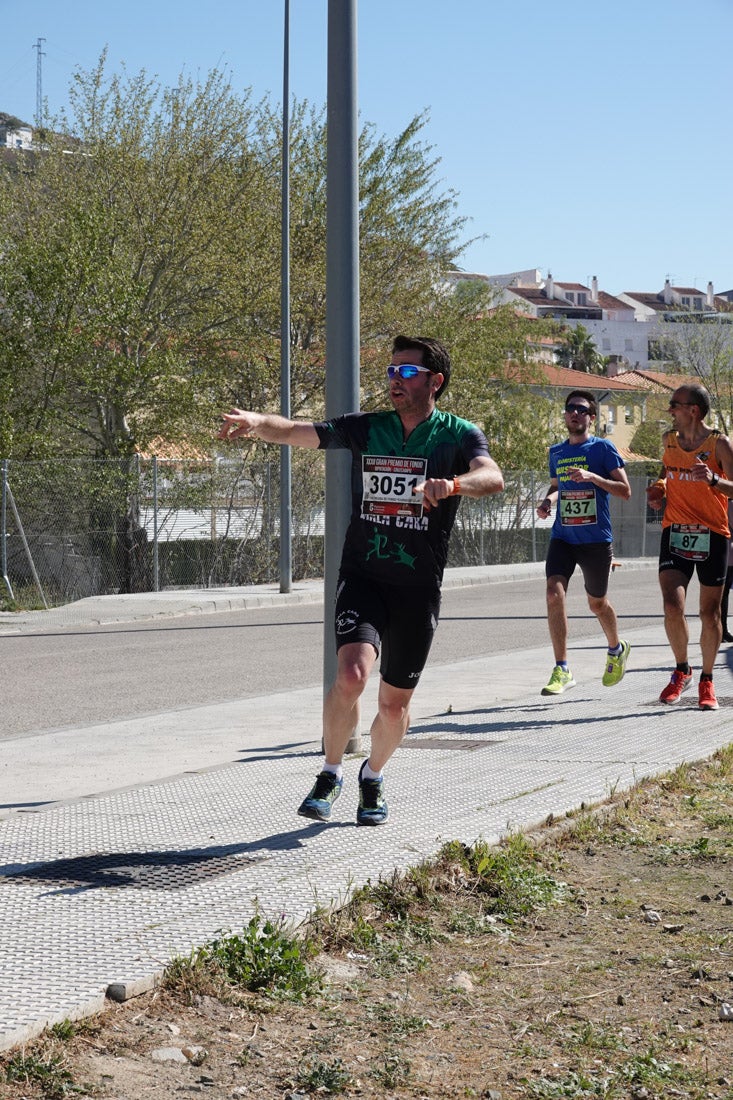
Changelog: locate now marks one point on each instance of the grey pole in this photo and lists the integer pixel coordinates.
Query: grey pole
(342, 295)
(286, 563)
(4, 528)
(156, 559)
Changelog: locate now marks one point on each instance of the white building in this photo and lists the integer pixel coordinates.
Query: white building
(15, 134)
(625, 327)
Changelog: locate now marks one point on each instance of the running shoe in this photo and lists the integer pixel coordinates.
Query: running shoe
(372, 808)
(706, 694)
(325, 791)
(559, 682)
(680, 682)
(616, 666)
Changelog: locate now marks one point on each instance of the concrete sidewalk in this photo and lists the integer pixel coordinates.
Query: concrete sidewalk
(101, 886)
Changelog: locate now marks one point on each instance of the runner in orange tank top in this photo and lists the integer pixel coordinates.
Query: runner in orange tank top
(696, 481)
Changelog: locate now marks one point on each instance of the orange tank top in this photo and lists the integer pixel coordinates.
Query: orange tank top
(691, 501)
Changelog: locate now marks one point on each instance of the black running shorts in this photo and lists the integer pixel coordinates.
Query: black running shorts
(399, 621)
(711, 571)
(594, 558)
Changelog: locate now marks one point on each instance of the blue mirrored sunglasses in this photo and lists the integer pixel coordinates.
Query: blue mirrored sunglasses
(406, 370)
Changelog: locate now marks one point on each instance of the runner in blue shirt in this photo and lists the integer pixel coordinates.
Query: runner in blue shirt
(583, 471)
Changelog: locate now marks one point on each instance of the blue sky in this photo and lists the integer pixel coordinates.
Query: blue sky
(582, 138)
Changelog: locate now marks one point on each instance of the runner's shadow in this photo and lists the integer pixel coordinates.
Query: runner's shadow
(156, 870)
(531, 724)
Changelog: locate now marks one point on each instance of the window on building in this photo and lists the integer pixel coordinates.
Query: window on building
(606, 343)
(628, 344)
(686, 300)
(582, 298)
(628, 414)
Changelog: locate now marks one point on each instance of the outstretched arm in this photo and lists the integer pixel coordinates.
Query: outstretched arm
(268, 427)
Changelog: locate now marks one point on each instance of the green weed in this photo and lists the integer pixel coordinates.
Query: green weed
(262, 958)
(510, 877)
(392, 1071)
(318, 1076)
(48, 1074)
(399, 1024)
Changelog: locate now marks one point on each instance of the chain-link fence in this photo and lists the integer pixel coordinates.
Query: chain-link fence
(77, 527)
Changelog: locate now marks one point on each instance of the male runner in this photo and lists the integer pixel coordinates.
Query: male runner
(696, 482)
(584, 470)
(409, 467)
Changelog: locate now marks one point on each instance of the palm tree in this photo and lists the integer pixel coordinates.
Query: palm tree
(579, 352)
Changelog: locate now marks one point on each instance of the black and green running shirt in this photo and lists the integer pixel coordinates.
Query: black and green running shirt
(391, 537)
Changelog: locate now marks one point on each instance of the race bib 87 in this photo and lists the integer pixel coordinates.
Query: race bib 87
(690, 541)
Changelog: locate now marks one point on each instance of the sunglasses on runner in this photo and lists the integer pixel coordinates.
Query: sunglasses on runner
(581, 409)
(407, 370)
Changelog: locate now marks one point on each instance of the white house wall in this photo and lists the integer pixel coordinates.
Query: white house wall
(629, 339)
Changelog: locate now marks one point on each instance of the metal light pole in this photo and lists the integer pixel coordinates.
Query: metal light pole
(342, 294)
(286, 564)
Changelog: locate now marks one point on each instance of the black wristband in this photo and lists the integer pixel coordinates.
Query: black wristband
(714, 480)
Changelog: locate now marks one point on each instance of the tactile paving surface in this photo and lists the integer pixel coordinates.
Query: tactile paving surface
(108, 889)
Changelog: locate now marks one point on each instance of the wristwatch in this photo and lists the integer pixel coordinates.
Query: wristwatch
(714, 480)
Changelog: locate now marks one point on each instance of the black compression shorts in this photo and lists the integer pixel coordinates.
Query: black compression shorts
(711, 571)
(397, 620)
(594, 558)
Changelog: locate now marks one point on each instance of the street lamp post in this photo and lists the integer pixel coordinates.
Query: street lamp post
(342, 293)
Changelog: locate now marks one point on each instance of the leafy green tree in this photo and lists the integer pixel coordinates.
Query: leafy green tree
(647, 439)
(133, 268)
(704, 348)
(578, 351)
(409, 233)
(496, 381)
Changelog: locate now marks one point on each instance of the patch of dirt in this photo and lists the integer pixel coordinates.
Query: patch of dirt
(618, 990)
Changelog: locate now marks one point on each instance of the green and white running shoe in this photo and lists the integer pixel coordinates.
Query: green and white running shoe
(372, 808)
(318, 803)
(559, 682)
(616, 666)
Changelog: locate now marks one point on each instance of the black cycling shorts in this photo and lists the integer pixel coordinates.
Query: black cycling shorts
(594, 558)
(397, 620)
(710, 572)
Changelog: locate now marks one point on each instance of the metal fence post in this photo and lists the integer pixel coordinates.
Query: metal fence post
(156, 572)
(533, 514)
(4, 529)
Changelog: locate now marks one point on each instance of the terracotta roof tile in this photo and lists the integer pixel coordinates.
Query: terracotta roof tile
(566, 378)
(608, 301)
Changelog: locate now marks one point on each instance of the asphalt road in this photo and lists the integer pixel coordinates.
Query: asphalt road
(74, 678)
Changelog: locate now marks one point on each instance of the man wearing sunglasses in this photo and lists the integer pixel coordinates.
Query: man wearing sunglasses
(696, 482)
(409, 467)
(584, 471)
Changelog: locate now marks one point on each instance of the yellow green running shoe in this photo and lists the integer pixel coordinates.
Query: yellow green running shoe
(559, 682)
(616, 666)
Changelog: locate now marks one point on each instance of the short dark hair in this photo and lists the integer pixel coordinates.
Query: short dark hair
(697, 395)
(586, 395)
(434, 355)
